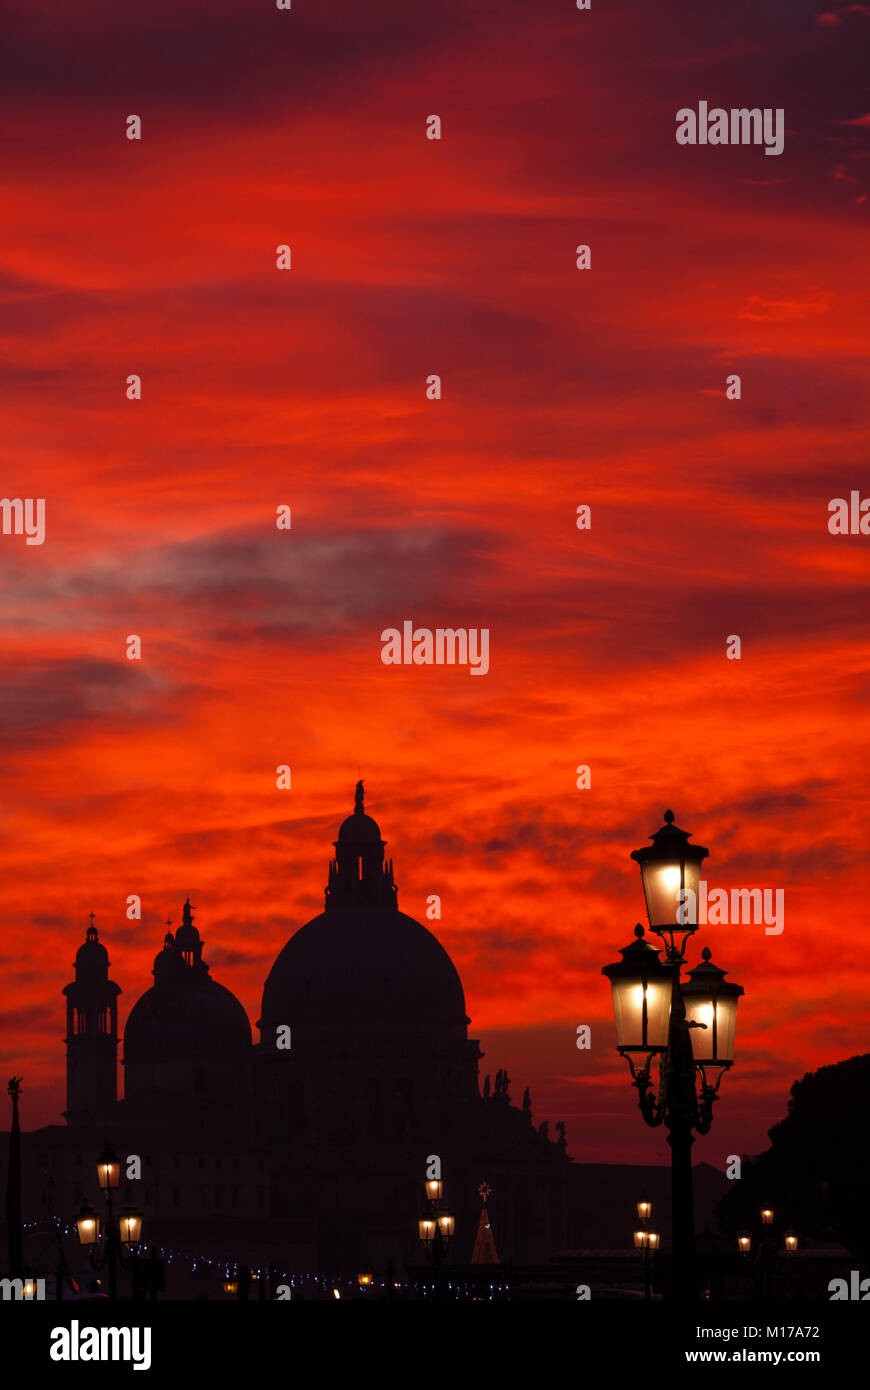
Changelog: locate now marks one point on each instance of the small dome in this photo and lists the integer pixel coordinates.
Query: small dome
(92, 958)
(359, 828)
(203, 1023)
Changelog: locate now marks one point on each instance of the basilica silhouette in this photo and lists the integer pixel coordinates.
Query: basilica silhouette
(312, 1143)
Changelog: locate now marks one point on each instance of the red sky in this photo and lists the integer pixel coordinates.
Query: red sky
(307, 388)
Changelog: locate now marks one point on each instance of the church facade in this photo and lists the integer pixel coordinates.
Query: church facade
(323, 1125)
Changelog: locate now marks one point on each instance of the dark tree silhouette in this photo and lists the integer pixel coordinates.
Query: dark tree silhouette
(814, 1174)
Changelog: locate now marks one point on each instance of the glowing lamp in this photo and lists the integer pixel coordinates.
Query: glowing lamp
(642, 985)
(744, 1243)
(791, 1242)
(711, 1002)
(653, 1239)
(426, 1227)
(644, 1209)
(446, 1224)
(88, 1225)
(131, 1227)
(434, 1189)
(108, 1169)
(670, 869)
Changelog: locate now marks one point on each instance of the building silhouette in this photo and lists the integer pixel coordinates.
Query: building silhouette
(311, 1144)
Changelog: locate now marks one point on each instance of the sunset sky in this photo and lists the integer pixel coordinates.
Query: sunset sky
(307, 388)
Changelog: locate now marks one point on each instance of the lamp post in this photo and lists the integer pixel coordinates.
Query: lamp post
(647, 1241)
(435, 1228)
(118, 1240)
(766, 1255)
(689, 1025)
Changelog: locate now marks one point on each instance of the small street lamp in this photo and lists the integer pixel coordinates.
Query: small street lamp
(766, 1255)
(688, 1025)
(436, 1227)
(647, 1241)
(119, 1240)
(364, 1279)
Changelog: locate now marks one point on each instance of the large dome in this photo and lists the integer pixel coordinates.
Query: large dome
(202, 1024)
(363, 962)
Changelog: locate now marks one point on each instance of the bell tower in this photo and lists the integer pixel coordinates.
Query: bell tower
(91, 1035)
(359, 873)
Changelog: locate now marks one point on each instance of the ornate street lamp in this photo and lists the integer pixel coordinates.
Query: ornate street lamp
(108, 1169)
(711, 1008)
(642, 985)
(119, 1240)
(435, 1228)
(744, 1243)
(688, 1024)
(644, 1209)
(88, 1226)
(670, 869)
(766, 1214)
(791, 1242)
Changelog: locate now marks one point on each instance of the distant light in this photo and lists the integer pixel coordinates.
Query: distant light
(336, 1294)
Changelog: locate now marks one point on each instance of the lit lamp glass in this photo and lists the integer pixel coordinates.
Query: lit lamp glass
(446, 1224)
(426, 1227)
(653, 1239)
(29, 1286)
(364, 1279)
(711, 1002)
(744, 1243)
(644, 1209)
(766, 1216)
(88, 1225)
(640, 1239)
(131, 1227)
(670, 868)
(231, 1286)
(642, 986)
(791, 1242)
(434, 1189)
(108, 1169)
